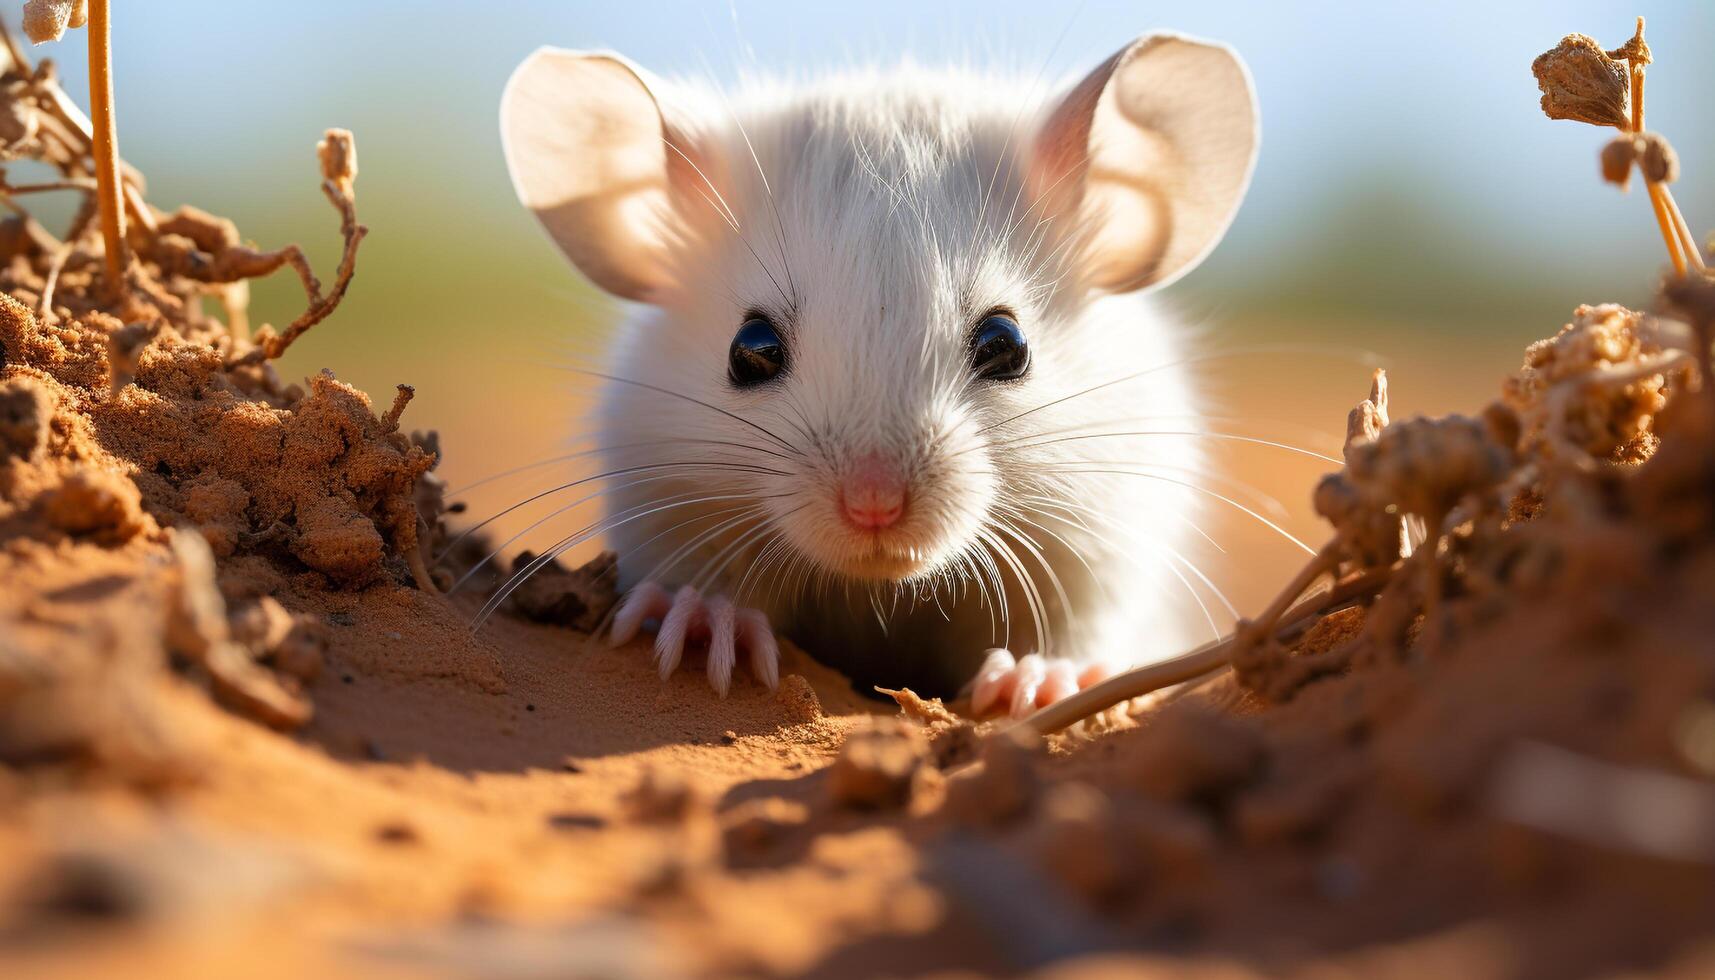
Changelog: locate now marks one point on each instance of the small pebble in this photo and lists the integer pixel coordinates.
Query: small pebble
(576, 821)
(397, 832)
(876, 765)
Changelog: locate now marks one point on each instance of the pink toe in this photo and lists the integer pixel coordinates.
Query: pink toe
(1060, 681)
(1031, 672)
(1094, 674)
(993, 681)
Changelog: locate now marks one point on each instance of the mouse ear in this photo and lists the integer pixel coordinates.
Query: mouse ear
(591, 154)
(1150, 154)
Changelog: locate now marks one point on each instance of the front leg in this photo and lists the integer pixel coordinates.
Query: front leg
(687, 618)
(1020, 686)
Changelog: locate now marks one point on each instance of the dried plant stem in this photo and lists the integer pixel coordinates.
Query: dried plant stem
(1687, 241)
(13, 52)
(1675, 232)
(1638, 95)
(56, 265)
(1206, 659)
(69, 184)
(106, 144)
(140, 210)
(1669, 232)
(401, 398)
(338, 154)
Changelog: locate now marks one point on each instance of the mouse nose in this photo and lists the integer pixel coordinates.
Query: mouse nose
(872, 495)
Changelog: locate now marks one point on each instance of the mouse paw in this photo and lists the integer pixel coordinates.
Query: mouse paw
(688, 617)
(1020, 686)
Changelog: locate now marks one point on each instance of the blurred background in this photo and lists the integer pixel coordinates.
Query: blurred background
(1411, 201)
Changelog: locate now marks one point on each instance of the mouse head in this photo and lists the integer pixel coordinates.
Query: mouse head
(867, 279)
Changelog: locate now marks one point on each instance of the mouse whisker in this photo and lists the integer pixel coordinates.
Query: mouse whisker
(606, 449)
(765, 527)
(1254, 349)
(1052, 478)
(1035, 551)
(991, 569)
(790, 449)
(1202, 490)
(1075, 514)
(728, 216)
(967, 561)
(1332, 442)
(667, 564)
(584, 534)
(501, 548)
(785, 569)
(1032, 597)
(1017, 510)
(768, 192)
(1046, 501)
(622, 471)
(759, 566)
(1189, 433)
(1250, 492)
(737, 514)
(710, 572)
(1026, 104)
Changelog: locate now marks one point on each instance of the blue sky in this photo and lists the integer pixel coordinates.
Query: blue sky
(1403, 153)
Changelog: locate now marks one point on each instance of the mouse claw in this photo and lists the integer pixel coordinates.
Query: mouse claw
(993, 681)
(646, 601)
(687, 618)
(1031, 671)
(723, 643)
(758, 636)
(686, 613)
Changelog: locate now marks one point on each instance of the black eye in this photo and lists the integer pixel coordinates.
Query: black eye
(999, 351)
(757, 354)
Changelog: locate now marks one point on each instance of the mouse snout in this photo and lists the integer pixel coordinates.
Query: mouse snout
(873, 492)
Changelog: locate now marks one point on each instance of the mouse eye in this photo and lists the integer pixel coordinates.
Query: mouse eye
(999, 351)
(757, 353)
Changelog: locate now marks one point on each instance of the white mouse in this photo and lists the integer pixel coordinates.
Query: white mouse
(890, 384)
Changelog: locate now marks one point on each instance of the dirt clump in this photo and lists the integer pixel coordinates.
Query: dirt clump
(130, 417)
(877, 766)
(799, 699)
(579, 599)
(241, 725)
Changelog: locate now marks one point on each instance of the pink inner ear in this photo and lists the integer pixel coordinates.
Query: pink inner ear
(699, 184)
(694, 176)
(1061, 153)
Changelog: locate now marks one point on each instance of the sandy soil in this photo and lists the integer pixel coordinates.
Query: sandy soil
(244, 732)
(524, 802)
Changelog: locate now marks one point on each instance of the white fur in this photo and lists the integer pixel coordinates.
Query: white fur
(879, 215)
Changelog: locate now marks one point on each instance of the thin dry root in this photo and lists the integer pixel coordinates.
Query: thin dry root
(419, 570)
(338, 154)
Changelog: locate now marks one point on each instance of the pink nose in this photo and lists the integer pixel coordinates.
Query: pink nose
(873, 494)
